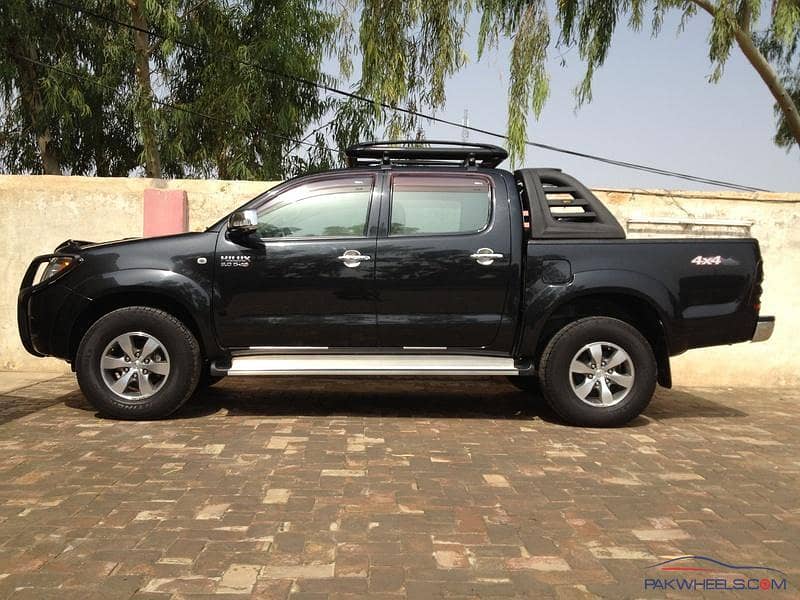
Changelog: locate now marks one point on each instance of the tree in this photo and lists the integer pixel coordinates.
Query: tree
(54, 122)
(228, 67)
(588, 25)
(224, 87)
(733, 23)
(143, 96)
(780, 46)
(92, 92)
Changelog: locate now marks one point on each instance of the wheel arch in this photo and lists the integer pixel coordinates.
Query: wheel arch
(126, 298)
(628, 307)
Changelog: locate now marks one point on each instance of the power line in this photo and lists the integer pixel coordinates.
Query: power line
(313, 132)
(354, 96)
(93, 80)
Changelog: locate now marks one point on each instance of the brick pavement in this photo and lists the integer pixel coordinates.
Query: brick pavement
(347, 488)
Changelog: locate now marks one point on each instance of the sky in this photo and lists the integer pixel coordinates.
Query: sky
(652, 104)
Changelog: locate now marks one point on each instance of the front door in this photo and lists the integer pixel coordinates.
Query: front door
(306, 278)
(434, 288)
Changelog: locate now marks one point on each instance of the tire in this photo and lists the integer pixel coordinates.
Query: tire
(526, 383)
(151, 384)
(615, 397)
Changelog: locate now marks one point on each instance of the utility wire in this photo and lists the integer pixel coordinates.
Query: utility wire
(360, 98)
(93, 80)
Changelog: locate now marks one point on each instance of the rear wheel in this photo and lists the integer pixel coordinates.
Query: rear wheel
(598, 372)
(138, 363)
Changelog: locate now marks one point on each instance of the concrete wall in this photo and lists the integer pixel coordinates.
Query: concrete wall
(38, 212)
(776, 224)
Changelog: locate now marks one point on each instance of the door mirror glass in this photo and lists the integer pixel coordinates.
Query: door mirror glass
(243, 221)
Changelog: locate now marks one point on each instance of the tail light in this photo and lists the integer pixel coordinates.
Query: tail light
(755, 297)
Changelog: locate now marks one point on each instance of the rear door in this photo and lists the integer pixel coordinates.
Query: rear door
(443, 262)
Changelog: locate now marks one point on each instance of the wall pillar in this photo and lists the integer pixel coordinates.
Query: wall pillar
(165, 212)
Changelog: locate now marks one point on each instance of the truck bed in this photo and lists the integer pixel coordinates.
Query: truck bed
(706, 292)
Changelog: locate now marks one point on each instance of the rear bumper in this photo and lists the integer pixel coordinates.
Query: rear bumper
(764, 328)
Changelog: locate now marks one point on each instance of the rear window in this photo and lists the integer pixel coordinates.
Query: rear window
(431, 204)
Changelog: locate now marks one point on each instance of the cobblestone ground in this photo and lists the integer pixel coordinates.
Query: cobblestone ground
(397, 487)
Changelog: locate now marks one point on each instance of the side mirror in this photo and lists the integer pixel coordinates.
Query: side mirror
(243, 222)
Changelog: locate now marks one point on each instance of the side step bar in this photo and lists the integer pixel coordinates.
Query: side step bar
(371, 364)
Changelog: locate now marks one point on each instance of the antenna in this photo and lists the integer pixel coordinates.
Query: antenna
(464, 126)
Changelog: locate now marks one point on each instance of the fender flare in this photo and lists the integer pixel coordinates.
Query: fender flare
(545, 300)
(173, 287)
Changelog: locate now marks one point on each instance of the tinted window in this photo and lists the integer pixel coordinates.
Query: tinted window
(430, 204)
(326, 208)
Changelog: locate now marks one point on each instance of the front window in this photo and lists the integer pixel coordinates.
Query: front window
(431, 204)
(334, 207)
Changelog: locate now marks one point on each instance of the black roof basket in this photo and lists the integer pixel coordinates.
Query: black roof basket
(425, 152)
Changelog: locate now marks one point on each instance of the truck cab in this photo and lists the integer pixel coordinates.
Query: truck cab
(416, 259)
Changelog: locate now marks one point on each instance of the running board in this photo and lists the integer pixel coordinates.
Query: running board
(371, 364)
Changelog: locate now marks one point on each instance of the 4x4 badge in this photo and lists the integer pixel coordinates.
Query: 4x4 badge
(234, 260)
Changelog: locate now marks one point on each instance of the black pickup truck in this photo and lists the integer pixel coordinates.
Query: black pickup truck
(414, 260)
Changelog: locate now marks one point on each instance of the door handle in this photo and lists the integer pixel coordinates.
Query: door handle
(485, 256)
(353, 258)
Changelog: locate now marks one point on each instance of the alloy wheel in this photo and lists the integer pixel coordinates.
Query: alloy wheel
(135, 365)
(601, 374)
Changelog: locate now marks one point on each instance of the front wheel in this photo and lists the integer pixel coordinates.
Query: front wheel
(598, 372)
(138, 363)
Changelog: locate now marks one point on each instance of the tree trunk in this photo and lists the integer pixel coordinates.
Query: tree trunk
(152, 157)
(102, 167)
(50, 163)
(32, 97)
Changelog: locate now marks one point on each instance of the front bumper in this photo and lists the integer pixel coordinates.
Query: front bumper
(764, 328)
(46, 313)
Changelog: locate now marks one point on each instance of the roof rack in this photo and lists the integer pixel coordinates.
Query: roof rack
(425, 152)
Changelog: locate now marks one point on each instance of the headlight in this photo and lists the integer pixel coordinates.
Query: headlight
(56, 265)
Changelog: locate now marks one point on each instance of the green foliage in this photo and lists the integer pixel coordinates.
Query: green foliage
(214, 104)
(781, 46)
(225, 70)
(51, 121)
(409, 49)
(590, 24)
(392, 41)
(784, 136)
(528, 24)
(215, 110)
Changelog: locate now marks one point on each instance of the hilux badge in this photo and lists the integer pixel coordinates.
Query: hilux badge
(234, 260)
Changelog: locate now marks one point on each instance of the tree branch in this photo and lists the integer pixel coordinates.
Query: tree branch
(768, 75)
